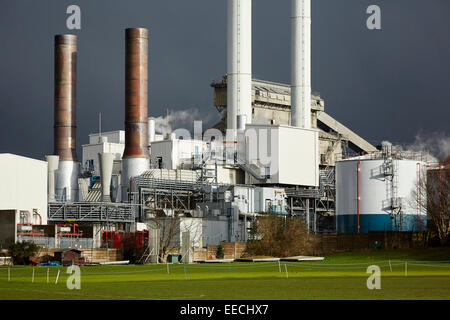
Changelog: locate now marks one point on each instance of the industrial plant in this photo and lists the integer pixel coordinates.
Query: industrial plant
(275, 151)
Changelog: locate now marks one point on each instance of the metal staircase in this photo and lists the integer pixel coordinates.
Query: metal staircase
(252, 169)
(327, 178)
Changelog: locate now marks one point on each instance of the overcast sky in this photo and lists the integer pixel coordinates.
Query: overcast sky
(387, 84)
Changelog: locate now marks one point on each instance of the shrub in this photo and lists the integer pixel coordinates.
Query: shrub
(220, 253)
(21, 252)
(134, 255)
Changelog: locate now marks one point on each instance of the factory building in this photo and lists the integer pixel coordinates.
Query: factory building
(275, 151)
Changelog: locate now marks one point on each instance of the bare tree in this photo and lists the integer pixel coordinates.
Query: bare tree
(432, 197)
(170, 230)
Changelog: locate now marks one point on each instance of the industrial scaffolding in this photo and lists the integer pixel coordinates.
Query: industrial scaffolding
(316, 205)
(102, 212)
(154, 194)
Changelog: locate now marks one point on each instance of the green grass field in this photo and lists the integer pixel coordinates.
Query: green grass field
(340, 276)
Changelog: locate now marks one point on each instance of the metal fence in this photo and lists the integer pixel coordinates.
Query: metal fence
(60, 242)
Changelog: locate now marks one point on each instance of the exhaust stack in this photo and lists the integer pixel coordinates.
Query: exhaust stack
(106, 167)
(65, 117)
(239, 62)
(135, 159)
(301, 64)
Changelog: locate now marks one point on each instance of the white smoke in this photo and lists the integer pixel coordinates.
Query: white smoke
(182, 119)
(437, 144)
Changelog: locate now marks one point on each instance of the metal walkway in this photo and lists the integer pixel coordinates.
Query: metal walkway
(92, 212)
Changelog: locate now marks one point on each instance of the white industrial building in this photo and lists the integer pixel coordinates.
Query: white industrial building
(107, 142)
(23, 195)
(172, 153)
(280, 151)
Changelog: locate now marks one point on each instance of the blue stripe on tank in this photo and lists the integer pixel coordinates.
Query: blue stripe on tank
(380, 222)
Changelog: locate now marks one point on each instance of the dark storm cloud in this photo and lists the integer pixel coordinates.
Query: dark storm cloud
(387, 84)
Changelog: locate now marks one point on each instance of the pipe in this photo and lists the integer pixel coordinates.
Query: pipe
(357, 192)
(419, 201)
(37, 213)
(239, 61)
(301, 64)
(26, 213)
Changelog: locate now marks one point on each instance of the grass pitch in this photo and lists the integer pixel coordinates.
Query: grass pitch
(412, 274)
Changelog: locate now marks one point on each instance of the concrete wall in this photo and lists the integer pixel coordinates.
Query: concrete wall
(23, 185)
(228, 175)
(93, 255)
(269, 116)
(214, 231)
(7, 228)
(330, 149)
(232, 250)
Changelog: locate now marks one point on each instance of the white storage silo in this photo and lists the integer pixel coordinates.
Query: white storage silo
(376, 194)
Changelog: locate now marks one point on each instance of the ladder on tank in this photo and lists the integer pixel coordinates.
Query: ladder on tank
(391, 170)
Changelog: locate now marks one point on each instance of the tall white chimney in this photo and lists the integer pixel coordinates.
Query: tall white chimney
(239, 61)
(301, 64)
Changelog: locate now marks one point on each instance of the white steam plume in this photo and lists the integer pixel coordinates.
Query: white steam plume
(182, 119)
(436, 143)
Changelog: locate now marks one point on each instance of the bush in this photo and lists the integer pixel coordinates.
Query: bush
(220, 253)
(133, 254)
(21, 252)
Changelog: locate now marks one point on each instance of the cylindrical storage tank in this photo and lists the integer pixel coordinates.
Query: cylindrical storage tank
(379, 196)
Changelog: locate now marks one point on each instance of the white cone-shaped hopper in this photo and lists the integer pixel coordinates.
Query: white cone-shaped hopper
(106, 166)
